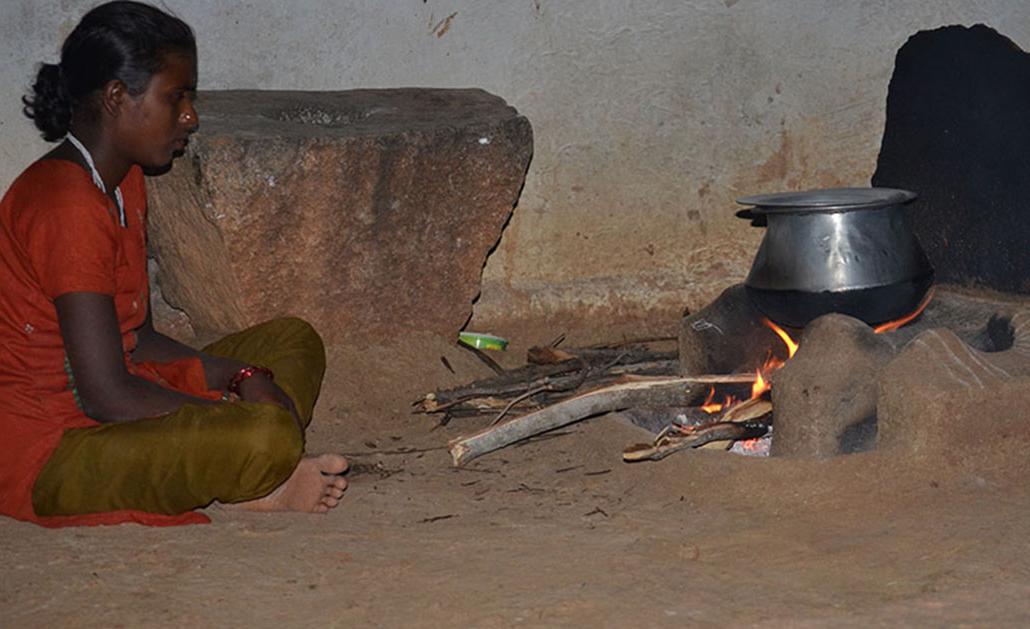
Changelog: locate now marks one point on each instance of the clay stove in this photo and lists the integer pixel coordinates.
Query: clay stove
(849, 388)
(956, 135)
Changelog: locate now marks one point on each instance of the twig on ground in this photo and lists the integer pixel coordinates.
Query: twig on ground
(438, 518)
(514, 401)
(481, 355)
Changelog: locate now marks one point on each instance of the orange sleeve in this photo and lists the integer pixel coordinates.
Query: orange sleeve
(71, 245)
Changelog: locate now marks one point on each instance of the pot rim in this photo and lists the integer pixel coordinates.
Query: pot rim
(827, 200)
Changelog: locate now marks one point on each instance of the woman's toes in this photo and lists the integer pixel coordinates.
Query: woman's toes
(333, 464)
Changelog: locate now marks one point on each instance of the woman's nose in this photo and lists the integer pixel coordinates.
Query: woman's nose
(189, 118)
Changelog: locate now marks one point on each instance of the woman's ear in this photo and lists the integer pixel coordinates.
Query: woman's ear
(112, 97)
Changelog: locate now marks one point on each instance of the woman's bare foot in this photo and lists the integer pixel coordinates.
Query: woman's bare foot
(314, 487)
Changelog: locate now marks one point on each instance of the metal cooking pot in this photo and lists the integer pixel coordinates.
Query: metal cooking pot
(846, 250)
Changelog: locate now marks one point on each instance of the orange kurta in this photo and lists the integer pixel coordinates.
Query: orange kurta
(59, 234)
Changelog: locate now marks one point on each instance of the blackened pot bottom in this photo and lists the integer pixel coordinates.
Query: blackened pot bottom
(872, 305)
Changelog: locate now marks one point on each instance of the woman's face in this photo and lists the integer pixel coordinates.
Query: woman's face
(154, 127)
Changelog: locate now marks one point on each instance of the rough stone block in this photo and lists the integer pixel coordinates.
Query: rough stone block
(366, 212)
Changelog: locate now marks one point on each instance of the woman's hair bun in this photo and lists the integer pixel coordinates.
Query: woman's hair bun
(49, 104)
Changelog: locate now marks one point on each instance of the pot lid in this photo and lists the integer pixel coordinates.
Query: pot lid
(827, 200)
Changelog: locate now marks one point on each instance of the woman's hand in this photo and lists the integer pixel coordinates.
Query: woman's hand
(260, 388)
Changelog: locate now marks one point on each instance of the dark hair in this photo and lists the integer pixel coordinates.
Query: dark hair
(121, 40)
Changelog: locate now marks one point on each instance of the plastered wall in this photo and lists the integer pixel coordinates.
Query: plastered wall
(650, 117)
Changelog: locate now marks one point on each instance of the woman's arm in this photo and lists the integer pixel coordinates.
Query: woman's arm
(151, 345)
(107, 391)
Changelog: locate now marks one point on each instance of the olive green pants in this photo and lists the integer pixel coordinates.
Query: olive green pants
(171, 464)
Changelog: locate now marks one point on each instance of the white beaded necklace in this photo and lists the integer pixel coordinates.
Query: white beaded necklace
(97, 180)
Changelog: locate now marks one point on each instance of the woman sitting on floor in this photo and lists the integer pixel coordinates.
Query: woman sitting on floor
(103, 419)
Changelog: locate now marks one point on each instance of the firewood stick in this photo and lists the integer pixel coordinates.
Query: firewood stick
(583, 376)
(638, 392)
(745, 411)
(441, 400)
(517, 381)
(636, 341)
(658, 367)
(509, 405)
(750, 409)
(696, 438)
(561, 385)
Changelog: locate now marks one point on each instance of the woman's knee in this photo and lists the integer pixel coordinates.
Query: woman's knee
(304, 335)
(298, 337)
(299, 327)
(272, 440)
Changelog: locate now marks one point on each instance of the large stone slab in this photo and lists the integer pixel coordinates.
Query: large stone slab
(366, 212)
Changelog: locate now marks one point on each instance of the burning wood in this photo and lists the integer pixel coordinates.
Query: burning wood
(619, 385)
(739, 420)
(694, 437)
(626, 394)
(748, 420)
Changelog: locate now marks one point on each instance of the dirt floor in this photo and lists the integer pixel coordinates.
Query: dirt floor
(556, 532)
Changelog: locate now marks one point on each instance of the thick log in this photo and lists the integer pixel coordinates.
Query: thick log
(638, 392)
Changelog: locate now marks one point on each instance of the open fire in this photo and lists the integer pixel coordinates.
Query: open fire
(762, 375)
(762, 385)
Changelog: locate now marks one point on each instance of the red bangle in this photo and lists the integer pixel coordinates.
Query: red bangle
(248, 371)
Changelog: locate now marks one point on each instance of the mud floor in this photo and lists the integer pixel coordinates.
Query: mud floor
(557, 532)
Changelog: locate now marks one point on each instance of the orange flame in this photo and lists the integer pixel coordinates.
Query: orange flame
(890, 326)
(710, 407)
(761, 383)
(772, 363)
(760, 386)
(707, 406)
(780, 332)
